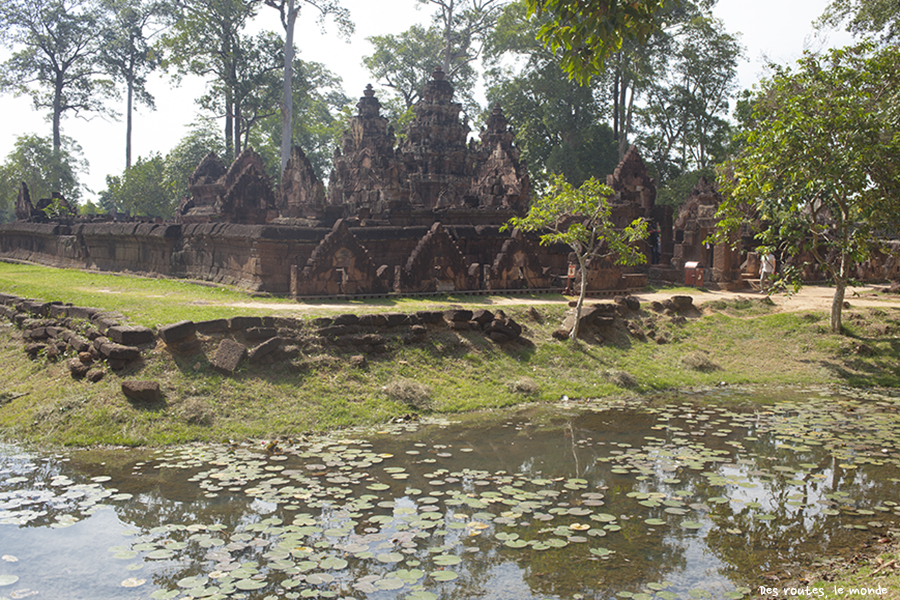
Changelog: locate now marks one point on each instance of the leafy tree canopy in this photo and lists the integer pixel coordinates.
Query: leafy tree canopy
(587, 32)
(819, 170)
(560, 124)
(43, 170)
(865, 17)
(581, 218)
(141, 190)
(56, 57)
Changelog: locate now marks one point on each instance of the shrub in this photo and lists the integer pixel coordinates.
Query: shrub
(412, 393)
(699, 361)
(526, 386)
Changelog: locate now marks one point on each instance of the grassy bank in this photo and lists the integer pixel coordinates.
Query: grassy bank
(740, 342)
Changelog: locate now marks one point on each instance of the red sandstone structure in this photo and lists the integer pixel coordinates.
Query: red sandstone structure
(421, 216)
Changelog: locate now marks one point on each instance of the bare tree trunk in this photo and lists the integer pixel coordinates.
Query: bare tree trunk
(837, 302)
(582, 292)
(615, 95)
(129, 104)
(287, 98)
(447, 31)
(626, 123)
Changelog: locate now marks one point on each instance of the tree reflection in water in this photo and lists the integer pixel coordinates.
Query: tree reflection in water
(676, 500)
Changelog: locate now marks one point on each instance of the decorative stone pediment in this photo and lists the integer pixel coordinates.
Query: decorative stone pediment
(340, 265)
(435, 265)
(302, 193)
(632, 183)
(517, 266)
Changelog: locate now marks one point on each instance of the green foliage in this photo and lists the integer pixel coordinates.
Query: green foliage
(183, 158)
(55, 57)
(205, 40)
(141, 190)
(126, 54)
(44, 171)
(317, 125)
(682, 118)
(819, 171)
(404, 63)
(587, 32)
(559, 123)
(863, 17)
(581, 218)
(252, 88)
(676, 190)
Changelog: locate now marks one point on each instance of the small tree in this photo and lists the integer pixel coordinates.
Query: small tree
(582, 219)
(819, 167)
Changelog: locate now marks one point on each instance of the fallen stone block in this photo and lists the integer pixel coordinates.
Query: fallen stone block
(114, 351)
(141, 391)
(211, 326)
(229, 356)
(77, 368)
(348, 319)
(177, 333)
(260, 333)
(456, 315)
(130, 335)
(375, 320)
(95, 375)
(244, 323)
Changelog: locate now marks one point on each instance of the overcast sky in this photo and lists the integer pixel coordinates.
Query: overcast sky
(769, 30)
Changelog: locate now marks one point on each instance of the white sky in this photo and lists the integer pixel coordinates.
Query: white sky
(770, 30)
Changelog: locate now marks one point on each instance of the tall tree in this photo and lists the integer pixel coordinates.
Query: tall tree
(404, 63)
(865, 17)
(289, 11)
(205, 40)
(820, 168)
(560, 123)
(140, 191)
(253, 90)
(587, 32)
(128, 56)
(56, 57)
(465, 24)
(684, 109)
(46, 171)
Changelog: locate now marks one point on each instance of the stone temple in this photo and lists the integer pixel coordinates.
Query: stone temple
(419, 216)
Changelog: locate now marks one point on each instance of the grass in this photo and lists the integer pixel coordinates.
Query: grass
(449, 373)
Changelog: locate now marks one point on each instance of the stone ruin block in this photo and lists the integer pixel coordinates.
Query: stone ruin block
(436, 265)
(339, 265)
(229, 356)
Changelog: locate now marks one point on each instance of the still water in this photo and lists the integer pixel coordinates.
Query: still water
(691, 497)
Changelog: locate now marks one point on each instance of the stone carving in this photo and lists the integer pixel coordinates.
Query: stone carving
(501, 179)
(695, 223)
(368, 179)
(438, 161)
(517, 266)
(242, 193)
(436, 265)
(24, 209)
(339, 265)
(302, 194)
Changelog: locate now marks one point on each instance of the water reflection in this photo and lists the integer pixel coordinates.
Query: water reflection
(682, 499)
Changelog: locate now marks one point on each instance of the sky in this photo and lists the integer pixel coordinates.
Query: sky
(770, 31)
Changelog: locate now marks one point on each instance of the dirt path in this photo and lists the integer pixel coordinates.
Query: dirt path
(817, 298)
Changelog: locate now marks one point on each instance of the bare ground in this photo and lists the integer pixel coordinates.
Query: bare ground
(808, 298)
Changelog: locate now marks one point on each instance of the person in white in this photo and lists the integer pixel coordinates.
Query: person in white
(766, 269)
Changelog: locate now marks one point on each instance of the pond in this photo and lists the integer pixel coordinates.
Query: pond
(692, 497)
